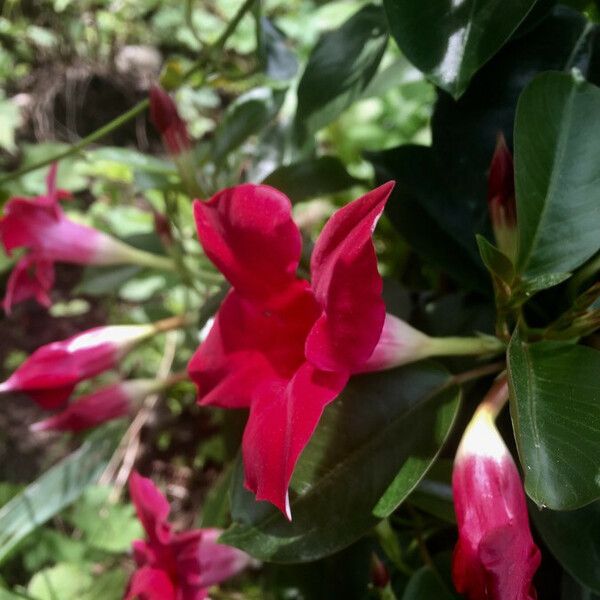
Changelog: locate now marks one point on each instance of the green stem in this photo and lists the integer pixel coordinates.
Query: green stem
(464, 346)
(139, 108)
(148, 259)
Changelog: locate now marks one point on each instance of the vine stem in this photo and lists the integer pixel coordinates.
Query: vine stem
(477, 373)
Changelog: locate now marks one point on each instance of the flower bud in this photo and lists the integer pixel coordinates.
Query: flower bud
(51, 373)
(106, 404)
(495, 558)
(380, 576)
(501, 199)
(167, 121)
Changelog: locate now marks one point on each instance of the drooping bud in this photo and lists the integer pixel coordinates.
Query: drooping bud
(111, 402)
(167, 121)
(380, 576)
(495, 558)
(400, 344)
(51, 373)
(501, 198)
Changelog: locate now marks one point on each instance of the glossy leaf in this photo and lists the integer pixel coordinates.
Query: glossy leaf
(53, 491)
(313, 177)
(277, 58)
(449, 41)
(342, 64)
(556, 417)
(247, 116)
(380, 436)
(464, 132)
(574, 539)
(556, 174)
(426, 584)
(438, 226)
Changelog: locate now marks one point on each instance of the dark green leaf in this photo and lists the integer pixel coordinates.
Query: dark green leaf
(556, 174)
(434, 493)
(426, 584)
(340, 68)
(449, 41)
(381, 435)
(574, 539)
(571, 590)
(464, 132)
(314, 177)
(247, 116)
(556, 417)
(438, 227)
(274, 52)
(53, 491)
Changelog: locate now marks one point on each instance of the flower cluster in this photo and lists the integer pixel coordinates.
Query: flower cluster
(175, 566)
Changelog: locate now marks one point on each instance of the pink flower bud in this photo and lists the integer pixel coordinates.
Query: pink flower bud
(51, 373)
(495, 558)
(167, 121)
(380, 576)
(106, 404)
(501, 198)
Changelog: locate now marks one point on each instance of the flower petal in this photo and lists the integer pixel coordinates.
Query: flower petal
(152, 508)
(348, 286)
(281, 423)
(31, 278)
(244, 351)
(219, 562)
(248, 232)
(150, 584)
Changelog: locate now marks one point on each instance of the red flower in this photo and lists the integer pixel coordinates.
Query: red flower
(495, 558)
(175, 566)
(501, 198)
(111, 402)
(51, 373)
(166, 119)
(40, 225)
(278, 345)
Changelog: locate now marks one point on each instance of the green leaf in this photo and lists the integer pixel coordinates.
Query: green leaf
(450, 41)
(106, 525)
(380, 436)
(310, 178)
(434, 494)
(426, 584)
(67, 581)
(340, 67)
(10, 120)
(274, 52)
(557, 170)
(574, 539)
(437, 225)
(571, 590)
(248, 115)
(53, 491)
(497, 263)
(215, 508)
(556, 419)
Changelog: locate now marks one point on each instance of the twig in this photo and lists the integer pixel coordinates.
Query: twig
(477, 373)
(127, 451)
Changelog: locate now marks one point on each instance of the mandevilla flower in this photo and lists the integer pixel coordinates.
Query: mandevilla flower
(108, 403)
(501, 199)
(495, 558)
(40, 225)
(175, 566)
(51, 373)
(283, 347)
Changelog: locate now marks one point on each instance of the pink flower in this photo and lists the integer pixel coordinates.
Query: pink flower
(175, 566)
(501, 198)
(279, 345)
(51, 373)
(166, 119)
(111, 402)
(40, 225)
(495, 558)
